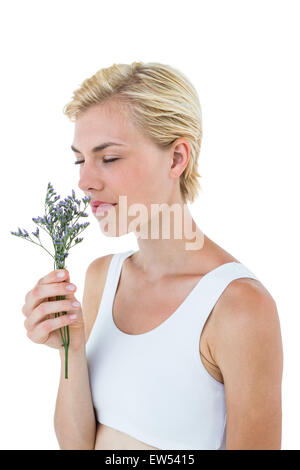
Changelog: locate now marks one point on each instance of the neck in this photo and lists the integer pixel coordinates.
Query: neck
(168, 242)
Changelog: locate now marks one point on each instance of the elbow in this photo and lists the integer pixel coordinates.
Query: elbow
(72, 443)
(74, 438)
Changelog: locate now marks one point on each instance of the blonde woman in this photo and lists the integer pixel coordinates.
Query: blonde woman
(177, 345)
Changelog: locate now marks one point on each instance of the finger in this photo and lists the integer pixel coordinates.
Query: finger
(45, 309)
(51, 315)
(49, 278)
(40, 293)
(41, 333)
(28, 308)
(26, 311)
(55, 276)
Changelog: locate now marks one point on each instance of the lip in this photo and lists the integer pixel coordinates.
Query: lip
(98, 203)
(102, 206)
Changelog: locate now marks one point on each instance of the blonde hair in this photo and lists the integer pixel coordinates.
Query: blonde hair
(162, 101)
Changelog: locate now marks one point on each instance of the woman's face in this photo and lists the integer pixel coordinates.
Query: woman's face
(142, 173)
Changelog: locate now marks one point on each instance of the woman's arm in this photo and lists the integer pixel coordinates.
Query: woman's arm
(74, 419)
(248, 350)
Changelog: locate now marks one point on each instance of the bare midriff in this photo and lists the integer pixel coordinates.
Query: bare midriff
(111, 439)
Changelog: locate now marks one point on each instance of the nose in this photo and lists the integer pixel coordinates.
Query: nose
(90, 179)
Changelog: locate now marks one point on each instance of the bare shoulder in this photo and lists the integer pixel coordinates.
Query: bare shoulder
(245, 303)
(95, 277)
(246, 299)
(242, 301)
(94, 268)
(248, 351)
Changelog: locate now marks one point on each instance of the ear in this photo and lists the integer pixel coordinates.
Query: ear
(180, 154)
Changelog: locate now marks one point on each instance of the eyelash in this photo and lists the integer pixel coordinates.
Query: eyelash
(105, 161)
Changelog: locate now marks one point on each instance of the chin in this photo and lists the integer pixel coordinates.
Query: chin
(111, 232)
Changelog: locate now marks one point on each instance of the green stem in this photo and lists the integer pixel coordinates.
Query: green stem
(64, 333)
(68, 335)
(60, 330)
(38, 244)
(66, 360)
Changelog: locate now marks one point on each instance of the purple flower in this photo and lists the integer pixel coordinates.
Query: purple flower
(61, 224)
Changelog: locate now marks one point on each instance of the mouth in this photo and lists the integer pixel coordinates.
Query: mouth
(101, 207)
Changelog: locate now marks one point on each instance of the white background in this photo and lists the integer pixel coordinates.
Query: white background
(243, 59)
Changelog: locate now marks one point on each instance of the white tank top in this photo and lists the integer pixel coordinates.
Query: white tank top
(153, 386)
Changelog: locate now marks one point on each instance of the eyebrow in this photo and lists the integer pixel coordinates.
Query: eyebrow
(98, 148)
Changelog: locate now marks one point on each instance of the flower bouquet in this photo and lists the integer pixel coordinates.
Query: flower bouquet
(60, 222)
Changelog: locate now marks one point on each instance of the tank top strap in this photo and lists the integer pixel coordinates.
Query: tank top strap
(189, 319)
(211, 287)
(112, 280)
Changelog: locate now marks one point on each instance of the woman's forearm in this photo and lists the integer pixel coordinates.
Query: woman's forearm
(74, 419)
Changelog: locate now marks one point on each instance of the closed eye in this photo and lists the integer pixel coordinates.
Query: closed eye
(78, 162)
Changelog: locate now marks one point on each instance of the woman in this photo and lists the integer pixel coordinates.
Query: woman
(177, 345)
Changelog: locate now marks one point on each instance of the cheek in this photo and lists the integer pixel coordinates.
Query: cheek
(151, 174)
(131, 179)
(145, 182)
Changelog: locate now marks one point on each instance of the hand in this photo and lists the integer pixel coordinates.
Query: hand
(40, 308)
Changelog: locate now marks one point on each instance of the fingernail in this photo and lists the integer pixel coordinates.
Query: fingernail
(60, 274)
(75, 304)
(70, 287)
(72, 316)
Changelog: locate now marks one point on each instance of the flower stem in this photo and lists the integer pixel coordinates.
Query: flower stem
(60, 223)
(64, 333)
(66, 360)
(29, 239)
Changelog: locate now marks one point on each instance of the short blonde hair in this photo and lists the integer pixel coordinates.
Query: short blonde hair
(162, 101)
